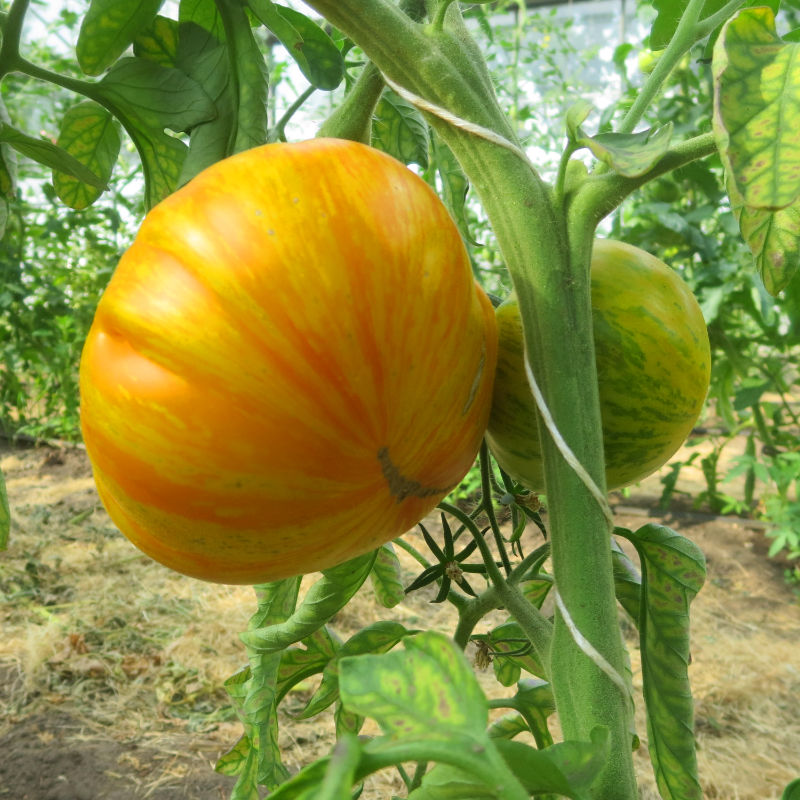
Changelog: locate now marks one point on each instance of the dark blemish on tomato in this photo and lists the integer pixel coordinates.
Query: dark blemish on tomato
(402, 487)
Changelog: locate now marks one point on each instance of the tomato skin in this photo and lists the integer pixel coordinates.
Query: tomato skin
(653, 366)
(291, 365)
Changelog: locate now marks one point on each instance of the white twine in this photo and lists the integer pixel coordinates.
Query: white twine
(588, 648)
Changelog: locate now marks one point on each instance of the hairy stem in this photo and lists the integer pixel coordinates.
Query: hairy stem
(471, 613)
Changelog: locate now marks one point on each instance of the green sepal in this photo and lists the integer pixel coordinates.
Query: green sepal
(91, 135)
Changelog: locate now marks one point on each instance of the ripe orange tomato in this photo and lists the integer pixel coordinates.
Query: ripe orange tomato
(291, 366)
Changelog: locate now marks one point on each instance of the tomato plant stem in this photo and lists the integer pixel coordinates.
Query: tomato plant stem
(471, 613)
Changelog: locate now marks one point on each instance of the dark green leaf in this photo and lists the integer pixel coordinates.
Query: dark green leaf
(324, 599)
(748, 395)
(673, 571)
(627, 581)
(380, 637)
(203, 13)
(5, 514)
(387, 578)
(252, 80)
(204, 58)
(792, 791)
(108, 28)
(8, 162)
(792, 36)
(148, 98)
(158, 42)
(454, 185)
(318, 57)
(91, 135)
(630, 154)
(400, 130)
(48, 154)
(757, 110)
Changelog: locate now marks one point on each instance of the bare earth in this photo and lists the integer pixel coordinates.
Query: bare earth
(111, 667)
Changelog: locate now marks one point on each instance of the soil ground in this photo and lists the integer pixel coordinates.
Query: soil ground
(111, 667)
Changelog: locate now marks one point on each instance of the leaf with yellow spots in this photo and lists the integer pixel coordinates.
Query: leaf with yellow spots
(757, 109)
(673, 572)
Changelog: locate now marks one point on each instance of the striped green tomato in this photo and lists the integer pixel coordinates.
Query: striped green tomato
(653, 366)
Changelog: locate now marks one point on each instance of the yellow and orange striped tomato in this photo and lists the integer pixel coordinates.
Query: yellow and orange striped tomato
(291, 365)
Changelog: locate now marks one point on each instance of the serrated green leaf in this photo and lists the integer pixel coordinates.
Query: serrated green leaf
(5, 512)
(773, 238)
(234, 761)
(204, 58)
(575, 117)
(324, 599)
(630, 154)
(756, 103)
(318, 57)
(400, 131)
(455, 185)
(380, 637)
(673, 571)
(158, 42)
(387, 577)
(428, 691)
(49, 155)
(91, 135)
(627, 581)
(108, 28)
(508, 726)
(792, 791)
(148, 98)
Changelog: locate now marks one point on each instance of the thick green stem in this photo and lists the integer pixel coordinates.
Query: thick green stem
(12, 33)
(353, 118)
(471, 613)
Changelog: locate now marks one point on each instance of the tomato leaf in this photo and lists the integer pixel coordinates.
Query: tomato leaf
(575, 117)
(91, 135)
(252, 81)
(534, 700)
(508, 726)
(324, 599)
(318, 57)
(387, 577)
(506, 671)
(773, 238)
(148, 98)
(204, 58)
(158, 42)
(792, 791)
(233, 762)
(246, 788)
(627, 580)
(49, 155)
(297, 663)
(454, 185)
(536, 591)
(629, 154)
(108, 28)
(508, 638)
(380, 637)
(346, 721)
(756, 101)
(8, 161)
(400, 131)
(673, 571)
(5, 514)
(205, 14)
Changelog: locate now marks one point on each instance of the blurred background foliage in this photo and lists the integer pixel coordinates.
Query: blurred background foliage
(55, 262)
